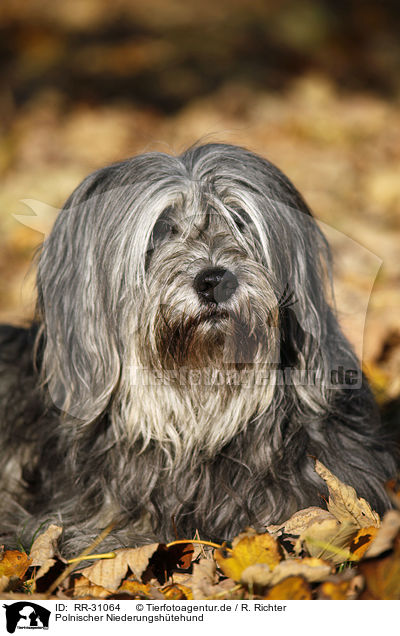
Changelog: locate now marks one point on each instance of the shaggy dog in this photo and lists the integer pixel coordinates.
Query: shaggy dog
(185, 365)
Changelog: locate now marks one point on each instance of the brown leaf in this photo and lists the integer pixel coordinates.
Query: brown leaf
(109, 572)
(249, 550)
(204, 578)
(204, 581)
(292, 588)
(14, 563)
(48, 573)
(45, 545)
(166, 560)
(83, 588)
(302, 520)
(258, 575)
(328, 540)
(343, 501)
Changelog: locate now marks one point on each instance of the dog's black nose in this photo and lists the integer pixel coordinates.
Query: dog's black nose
(215, 284)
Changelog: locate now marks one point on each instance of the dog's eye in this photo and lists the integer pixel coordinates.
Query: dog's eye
(162, 230)
(242, 221)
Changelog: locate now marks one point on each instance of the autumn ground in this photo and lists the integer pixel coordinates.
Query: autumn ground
(339, 143)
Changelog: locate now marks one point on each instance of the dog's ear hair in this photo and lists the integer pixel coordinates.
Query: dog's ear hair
(80, 367)
(292, 337)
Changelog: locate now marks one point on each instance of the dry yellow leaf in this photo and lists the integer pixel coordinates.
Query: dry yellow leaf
(249, 550)
(14, 563)
(362, 541)
(177, 592)
(134, 588)
(343, 501)
(109, 572)
(332, 591)
(292, 588)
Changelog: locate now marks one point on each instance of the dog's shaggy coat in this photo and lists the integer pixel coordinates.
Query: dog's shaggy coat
(185, 364)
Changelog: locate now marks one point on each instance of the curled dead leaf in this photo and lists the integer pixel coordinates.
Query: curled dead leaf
(343, 501)
(301, 520)
(45, 545)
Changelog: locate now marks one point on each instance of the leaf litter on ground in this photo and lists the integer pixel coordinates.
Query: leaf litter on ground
(343, 552)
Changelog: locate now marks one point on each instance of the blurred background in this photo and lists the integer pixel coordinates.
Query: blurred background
(313, 85)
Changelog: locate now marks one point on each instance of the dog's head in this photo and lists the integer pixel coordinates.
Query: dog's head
(211, 258)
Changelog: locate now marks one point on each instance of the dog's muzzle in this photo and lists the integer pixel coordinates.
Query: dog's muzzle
(215, 285)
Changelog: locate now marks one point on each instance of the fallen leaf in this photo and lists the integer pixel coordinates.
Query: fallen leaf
(204, 578)
(361, 542)
(109, 573)
(83, 588)
(293, 588)
(48, 573)
(386, 534)
(4, 581)
(248, 550)
(14, 563)
(382, 576)
(310, 568)
(45, 545)
(343, 501)
(204, 581)
(166, 560)
(176, 592)
(301, 520)
(136, 589)
(328, 540)
(334, 591)
(258, 575)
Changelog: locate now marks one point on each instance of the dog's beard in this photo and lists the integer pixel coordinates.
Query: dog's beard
(216, 338)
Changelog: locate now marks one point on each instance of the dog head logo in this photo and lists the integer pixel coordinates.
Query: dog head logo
(26, 615)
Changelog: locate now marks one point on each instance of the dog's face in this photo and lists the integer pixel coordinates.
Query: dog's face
(210, 260)
(209, 299)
